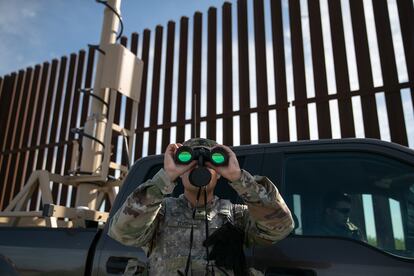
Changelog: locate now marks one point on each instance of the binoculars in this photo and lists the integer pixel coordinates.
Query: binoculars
(217, 156)
(201, 176)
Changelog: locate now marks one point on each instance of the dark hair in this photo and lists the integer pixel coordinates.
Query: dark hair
(331, 199)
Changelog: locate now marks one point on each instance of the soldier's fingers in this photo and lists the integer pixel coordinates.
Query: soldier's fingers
(190, 166)
(226, 148)
(210, 165)
(169, 154)
(229, 151)
(170, 148)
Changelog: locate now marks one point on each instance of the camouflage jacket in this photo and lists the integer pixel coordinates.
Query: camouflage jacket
(147, 216)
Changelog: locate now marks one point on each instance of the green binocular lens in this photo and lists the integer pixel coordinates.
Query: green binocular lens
(218, 158)
(185, 156)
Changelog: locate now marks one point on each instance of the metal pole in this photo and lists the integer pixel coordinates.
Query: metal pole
(96, 124)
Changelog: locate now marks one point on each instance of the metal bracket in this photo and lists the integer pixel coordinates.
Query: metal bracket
(79, 215)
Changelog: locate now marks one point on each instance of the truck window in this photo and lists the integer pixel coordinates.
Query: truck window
(360, 196)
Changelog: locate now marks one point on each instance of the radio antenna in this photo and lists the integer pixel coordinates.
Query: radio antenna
(195, 114)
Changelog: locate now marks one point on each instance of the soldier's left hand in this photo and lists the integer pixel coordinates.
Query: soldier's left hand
(232, 171)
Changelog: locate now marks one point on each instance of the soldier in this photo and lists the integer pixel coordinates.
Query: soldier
(337, 207)
(175, 237)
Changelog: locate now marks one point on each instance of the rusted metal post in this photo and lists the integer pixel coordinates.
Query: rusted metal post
(95, 124)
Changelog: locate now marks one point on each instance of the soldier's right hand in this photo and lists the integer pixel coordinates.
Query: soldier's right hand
(172, 169)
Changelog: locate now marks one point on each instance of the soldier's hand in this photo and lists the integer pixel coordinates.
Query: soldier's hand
(232, 171)
(172, 169)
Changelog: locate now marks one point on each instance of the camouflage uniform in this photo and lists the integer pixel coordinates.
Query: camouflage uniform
(148, 218)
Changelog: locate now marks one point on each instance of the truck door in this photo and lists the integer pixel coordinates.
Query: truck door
(354, 215)
(112, 257)
(47, 251)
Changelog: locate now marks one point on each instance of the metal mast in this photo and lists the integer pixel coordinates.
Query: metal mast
(96, 123)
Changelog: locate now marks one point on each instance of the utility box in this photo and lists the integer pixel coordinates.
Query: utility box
(122, 71)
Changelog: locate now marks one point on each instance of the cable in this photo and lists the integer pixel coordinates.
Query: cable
(96, 47)
(117, 14)
(188, 263)
(82, 133)
(207, 234)
(87, 91)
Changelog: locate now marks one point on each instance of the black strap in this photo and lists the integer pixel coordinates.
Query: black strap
(206, 222)
(188, 264)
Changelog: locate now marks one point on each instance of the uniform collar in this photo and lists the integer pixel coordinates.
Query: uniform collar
(187, 203)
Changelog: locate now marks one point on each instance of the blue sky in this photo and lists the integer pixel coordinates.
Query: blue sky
(33, 31)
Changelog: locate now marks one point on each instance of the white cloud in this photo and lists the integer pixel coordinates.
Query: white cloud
(327, 44)
(408, 115)
(18, 31)
(373, 44)
(29, 13)
(335, 124)
(17, 18)
(307, 50)
(397, 41)
(350, 46)
(383, 117)
(358, 119)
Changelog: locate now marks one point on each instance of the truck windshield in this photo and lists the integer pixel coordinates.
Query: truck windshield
(360, 196)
